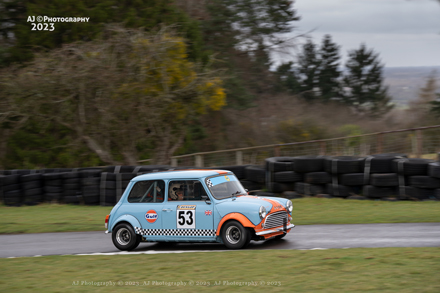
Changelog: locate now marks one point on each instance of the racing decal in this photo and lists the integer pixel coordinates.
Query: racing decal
(186, 216)
(275, 204)
(220, 179)
(151, 216)
(186, 207)
(174, 232)
(208, 212)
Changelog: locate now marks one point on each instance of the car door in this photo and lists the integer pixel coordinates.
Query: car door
(190, 218)
(145, 203)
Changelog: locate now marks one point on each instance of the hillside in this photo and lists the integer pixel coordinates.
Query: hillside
(405, 82)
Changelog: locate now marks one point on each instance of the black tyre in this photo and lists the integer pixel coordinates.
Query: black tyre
(434, 170)
(411, 167)
(380, 163)
(124, 237)
(279, 164)
(280, 187)
(317, 178)
(344, 164)
(371, 191)
(288, 176)
(93, 181)
(256, 174)
(384, 180)
(31, 177)
(250, 185)
(352, 179)
(341, 190)
(309, 189)
(31, 185)
(424, 182)
(234, 235)
(307, 164)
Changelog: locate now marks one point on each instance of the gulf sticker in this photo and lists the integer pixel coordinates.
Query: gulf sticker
(151, 216)
(186, 207)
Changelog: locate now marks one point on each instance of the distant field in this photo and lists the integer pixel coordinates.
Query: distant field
(405, 82)
(336, 270)
(306, 211)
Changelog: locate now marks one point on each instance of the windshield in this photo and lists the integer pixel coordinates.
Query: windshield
(225, 186)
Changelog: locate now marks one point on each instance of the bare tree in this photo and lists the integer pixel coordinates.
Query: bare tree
(128, 89)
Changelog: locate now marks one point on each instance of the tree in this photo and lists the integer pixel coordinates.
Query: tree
(329, 73)
(147, 14)
(288, 77)
(126, 93)
(250, 25)
(428, 100)
(421, 105)
(364, 89)
(308, 69)
(244, 34)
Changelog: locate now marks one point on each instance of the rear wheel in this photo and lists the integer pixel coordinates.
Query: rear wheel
(234, 235)
(124, 237)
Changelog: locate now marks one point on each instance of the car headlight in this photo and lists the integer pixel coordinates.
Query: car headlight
(262, 212)
(289, 206)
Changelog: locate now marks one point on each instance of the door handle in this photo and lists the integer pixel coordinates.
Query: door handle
(167, 210)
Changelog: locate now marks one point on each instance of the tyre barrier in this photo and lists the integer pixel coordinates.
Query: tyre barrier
(380, 176)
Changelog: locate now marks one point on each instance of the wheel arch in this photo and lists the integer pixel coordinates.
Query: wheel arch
(242, 219)
(129, 219)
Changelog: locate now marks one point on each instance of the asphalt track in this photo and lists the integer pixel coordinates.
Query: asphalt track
(301, 237)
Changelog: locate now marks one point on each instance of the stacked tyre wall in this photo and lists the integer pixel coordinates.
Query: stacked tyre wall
(390, 176)
(383, 176)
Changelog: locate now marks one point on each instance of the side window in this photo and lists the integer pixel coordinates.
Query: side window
(147, 191)
(185, 190)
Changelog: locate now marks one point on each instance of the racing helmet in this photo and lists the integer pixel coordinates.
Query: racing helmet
(174, 187)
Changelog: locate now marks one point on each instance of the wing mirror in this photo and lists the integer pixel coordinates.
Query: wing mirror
(206, 199)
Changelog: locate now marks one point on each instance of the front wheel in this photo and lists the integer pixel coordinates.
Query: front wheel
(124, 237)
(234, 235)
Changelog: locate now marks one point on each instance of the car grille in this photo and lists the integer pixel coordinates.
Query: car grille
(276, 220)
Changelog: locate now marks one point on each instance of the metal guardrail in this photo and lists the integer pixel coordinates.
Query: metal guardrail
(414, 142)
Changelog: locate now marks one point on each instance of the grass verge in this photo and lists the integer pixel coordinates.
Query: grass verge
(306, 211)
(340, 270)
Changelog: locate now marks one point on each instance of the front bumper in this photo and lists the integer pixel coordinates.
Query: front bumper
(275, 230)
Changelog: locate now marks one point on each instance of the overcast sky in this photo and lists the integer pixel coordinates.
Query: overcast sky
(403, 32)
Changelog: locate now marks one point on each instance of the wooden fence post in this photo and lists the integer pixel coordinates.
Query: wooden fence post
(199, 161)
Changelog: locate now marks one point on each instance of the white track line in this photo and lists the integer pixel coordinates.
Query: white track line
(152, 252)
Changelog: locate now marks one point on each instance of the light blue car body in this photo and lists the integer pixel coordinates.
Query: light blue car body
(158, 221)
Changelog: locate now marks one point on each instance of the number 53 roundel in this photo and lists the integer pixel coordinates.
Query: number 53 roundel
(186, 216)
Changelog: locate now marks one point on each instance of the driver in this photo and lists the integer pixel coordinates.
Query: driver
(176, 192)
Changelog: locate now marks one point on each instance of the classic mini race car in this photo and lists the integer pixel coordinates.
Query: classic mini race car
(195, 206)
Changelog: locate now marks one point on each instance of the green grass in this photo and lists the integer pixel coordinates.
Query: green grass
(52, 218)
(336, 270)
(306, 211)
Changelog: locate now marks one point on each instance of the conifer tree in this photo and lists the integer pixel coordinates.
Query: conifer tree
(288, 77)
(308, 66)
(363, 82)
(329, 73)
